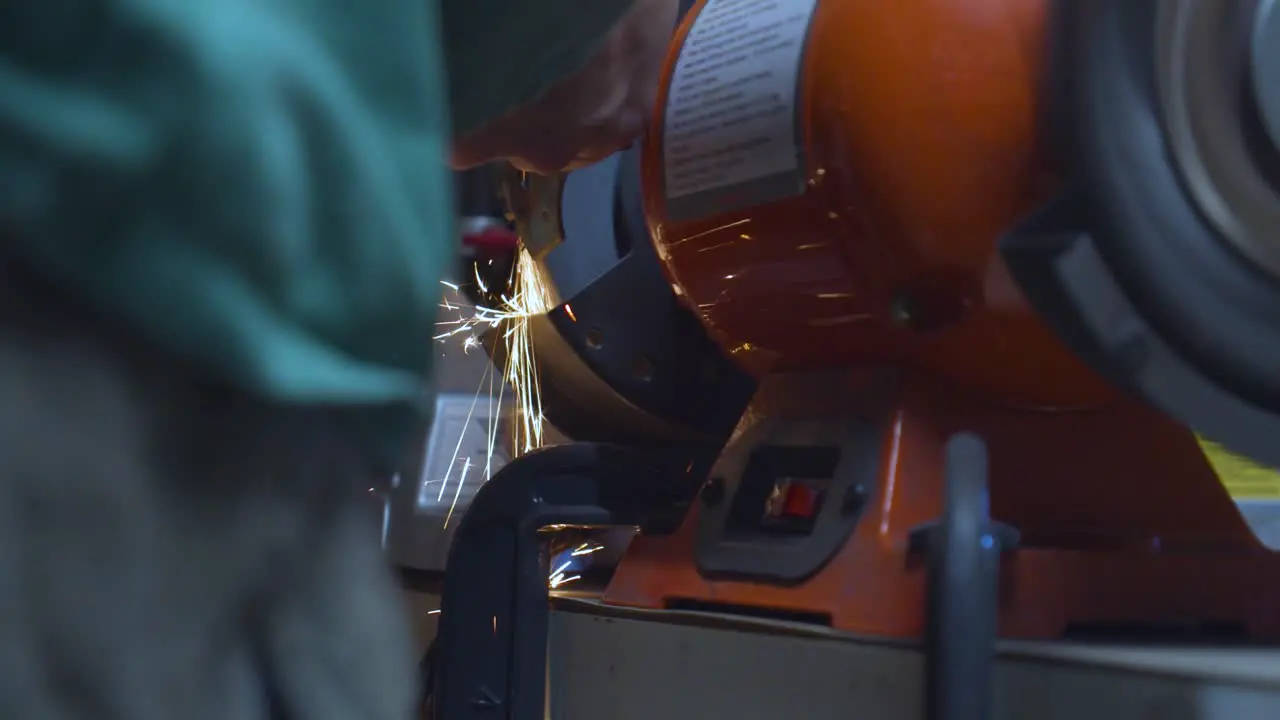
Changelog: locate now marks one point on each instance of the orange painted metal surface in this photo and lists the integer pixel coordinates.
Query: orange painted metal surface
(921, 147)
(1122, 520)
(920, 137)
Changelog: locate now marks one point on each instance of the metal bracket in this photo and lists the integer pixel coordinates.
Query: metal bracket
(491, 654)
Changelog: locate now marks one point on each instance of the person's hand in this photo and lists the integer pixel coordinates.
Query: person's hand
(597, 111)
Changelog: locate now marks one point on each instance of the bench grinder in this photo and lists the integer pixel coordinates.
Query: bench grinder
(987, 265)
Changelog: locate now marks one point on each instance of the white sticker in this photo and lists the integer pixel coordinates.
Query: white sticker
(458, 460)
(731, 137)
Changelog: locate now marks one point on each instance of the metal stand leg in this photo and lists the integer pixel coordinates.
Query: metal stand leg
(963, 558)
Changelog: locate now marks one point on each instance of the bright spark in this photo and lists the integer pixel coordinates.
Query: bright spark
(557, 577)
(529, 296)
(557, 581)
(586, 549)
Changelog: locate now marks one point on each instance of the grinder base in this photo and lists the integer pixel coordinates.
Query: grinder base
(1120, 522)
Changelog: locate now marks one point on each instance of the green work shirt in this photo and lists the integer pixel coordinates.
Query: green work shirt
(260, 186)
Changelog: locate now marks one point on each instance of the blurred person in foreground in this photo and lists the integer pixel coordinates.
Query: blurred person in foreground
(224, 223)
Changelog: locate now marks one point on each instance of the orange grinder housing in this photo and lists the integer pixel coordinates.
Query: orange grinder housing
(827, 183)
(915, 149)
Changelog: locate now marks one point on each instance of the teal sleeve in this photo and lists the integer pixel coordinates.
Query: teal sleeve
(258, 185)
(503, 53)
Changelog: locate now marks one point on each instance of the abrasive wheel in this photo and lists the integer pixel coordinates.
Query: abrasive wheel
(619, 358)
(1162, 266)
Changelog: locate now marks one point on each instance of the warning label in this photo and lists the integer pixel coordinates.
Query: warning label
(732, 135)
(1244, 479)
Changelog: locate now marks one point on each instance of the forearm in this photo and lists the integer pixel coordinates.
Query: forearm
(504, 53)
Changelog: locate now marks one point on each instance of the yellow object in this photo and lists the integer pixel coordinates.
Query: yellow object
(1243, 478)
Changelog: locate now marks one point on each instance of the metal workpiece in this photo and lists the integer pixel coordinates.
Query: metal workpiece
(533, 204)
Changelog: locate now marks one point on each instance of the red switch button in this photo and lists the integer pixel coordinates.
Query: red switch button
(799, 501)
